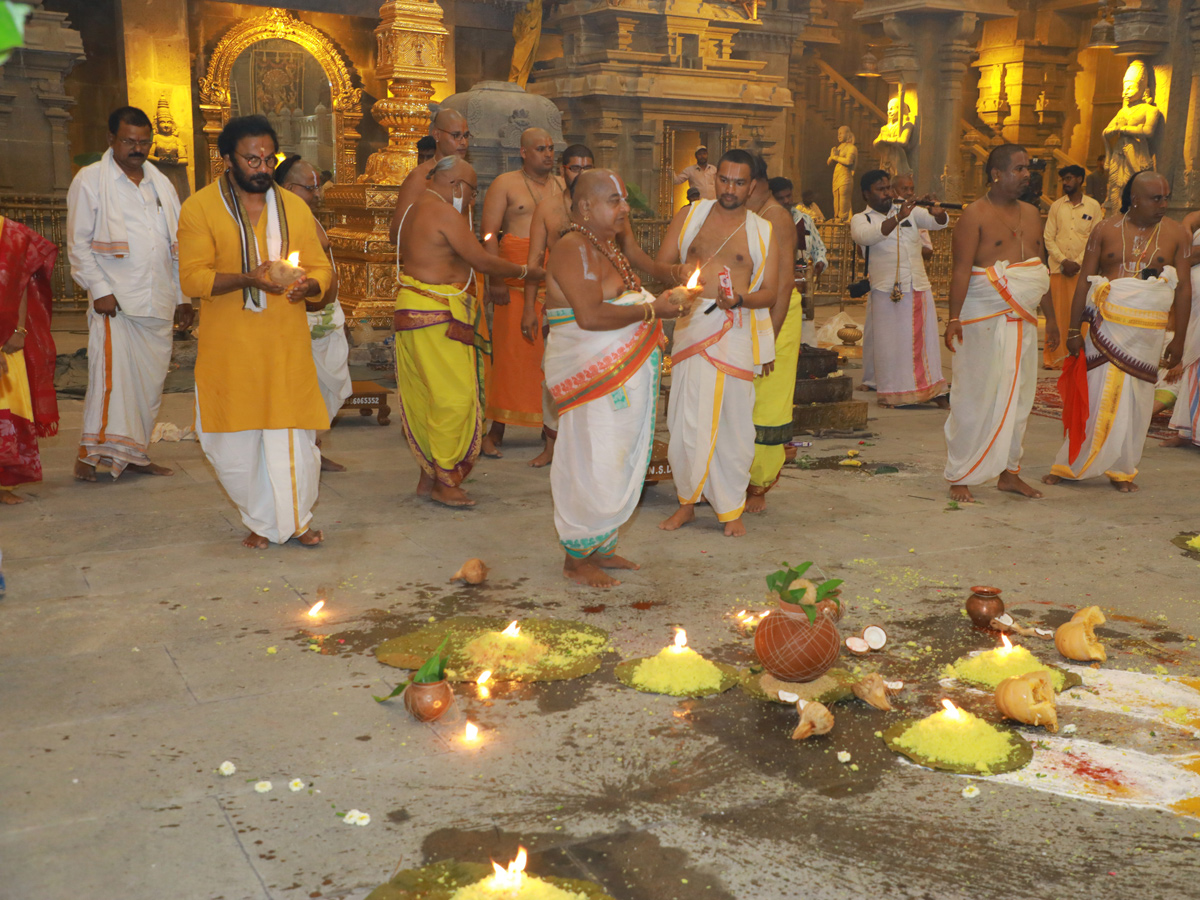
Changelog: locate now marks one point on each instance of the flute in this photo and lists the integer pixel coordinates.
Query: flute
(946, 205)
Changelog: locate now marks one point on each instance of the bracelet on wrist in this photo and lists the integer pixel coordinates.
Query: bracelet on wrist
(955, 319)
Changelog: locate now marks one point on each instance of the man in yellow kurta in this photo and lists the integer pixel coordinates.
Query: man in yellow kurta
(258, 404)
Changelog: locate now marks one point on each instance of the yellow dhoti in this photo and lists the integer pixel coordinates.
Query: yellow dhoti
(438, 376)
(773, 398)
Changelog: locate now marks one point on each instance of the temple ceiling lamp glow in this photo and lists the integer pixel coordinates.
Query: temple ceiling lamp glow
(868, 67)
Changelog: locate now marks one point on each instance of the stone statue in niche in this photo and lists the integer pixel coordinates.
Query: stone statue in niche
(169, 152)
(843, 158)
(1131, 139)
(895, 139)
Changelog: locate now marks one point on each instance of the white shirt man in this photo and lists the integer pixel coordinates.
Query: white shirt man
(701, 176)
(122, 214)
(901, 333)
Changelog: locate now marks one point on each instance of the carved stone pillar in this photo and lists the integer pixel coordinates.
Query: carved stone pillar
(1191, 142)
(412, 53)
(943, 159)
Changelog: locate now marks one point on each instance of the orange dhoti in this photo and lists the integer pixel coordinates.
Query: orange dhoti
(1062, 292)
(514, 384)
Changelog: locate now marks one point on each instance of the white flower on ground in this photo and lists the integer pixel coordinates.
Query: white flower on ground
(355, 817)
(1068, 729)
(227, 768)
(296, 785)
(262, 787)
(843, 756)
(970, 791)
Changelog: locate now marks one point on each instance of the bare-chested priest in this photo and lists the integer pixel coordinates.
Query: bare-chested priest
(999, 277)
(452, 136)
(1143, 261)
(438, 369)
(551, 220)
(514, 388)
(602, 366)
(720, 346)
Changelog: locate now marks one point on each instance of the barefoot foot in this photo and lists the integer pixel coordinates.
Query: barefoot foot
(1011, 483)
(450, 496)
(149, 469)
(581, 571)
(961, 493)
(84, 472)
(424, 485)
(755, 503)
(310, 537)
(1051, 479)
(942, 402)
(1124, 487)
(613, 562)
(682, 516)
(8, 498)
(328, 465)
(545, 457)
(736, 528)
(255, 541)
(491, 448)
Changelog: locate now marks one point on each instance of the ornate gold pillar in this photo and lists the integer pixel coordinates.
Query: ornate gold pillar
(412, 53)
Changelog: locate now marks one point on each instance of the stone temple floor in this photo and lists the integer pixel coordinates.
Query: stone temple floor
(144, 646)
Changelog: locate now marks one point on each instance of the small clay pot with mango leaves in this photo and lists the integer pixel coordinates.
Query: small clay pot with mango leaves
(797, 642)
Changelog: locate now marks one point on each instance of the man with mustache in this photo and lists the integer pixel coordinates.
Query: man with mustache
(122, 214)
(999, 277)
(258, 403)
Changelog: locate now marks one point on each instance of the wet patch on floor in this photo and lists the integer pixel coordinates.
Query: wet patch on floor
(841, 463)
(1182, 540)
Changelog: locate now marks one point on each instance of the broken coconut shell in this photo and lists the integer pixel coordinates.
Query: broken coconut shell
(1077, 639)
(873, 690)
(473, 571)
(875, 637)
(815, 718)
(1028, 698)
(857, 645)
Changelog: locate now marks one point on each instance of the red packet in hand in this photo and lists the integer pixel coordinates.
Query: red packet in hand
(1073, 389)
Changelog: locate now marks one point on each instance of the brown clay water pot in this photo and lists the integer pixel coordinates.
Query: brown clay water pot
(793, 649)
(427, 702)
(984, 604)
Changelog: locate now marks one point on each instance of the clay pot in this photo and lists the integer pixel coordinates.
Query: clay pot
(428, 702)
(791, 648)
(850, 335)
(984, 604)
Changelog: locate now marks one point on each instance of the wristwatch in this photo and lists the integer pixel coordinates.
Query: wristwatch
(740, 301)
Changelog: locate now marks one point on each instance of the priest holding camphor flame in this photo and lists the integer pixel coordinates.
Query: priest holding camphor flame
(251, 253)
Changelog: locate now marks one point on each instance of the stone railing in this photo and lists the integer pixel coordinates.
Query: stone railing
(47, 215)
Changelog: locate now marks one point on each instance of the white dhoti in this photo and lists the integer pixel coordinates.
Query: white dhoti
(605, 384)
(994, 371)
(905, 357)
(272, 476)
(711, 412)
(1124, 344)
(128, 358)
(1186, 416)
(331, 353)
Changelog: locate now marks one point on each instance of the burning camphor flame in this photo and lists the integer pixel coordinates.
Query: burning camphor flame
(1007, 648)
(294, 259)
(694, 280)
(471, 733)
(316, 607)
(952, 711)
(680, 640)
(482, 681)
(510, 879)
(513, 630)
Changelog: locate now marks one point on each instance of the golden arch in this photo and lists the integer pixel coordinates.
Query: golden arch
(279, 23)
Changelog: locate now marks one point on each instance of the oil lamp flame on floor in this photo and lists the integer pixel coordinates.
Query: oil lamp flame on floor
(680, 640)
(952, 711)
(482, 681)
(316, 607)
(510, 879)
(1007, 648)
(471, 734)
(513, 630)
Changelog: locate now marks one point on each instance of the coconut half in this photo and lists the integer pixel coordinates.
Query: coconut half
(874, 637)
(788, 697)
(1004, 618)
(894, 685)
(857, 645)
